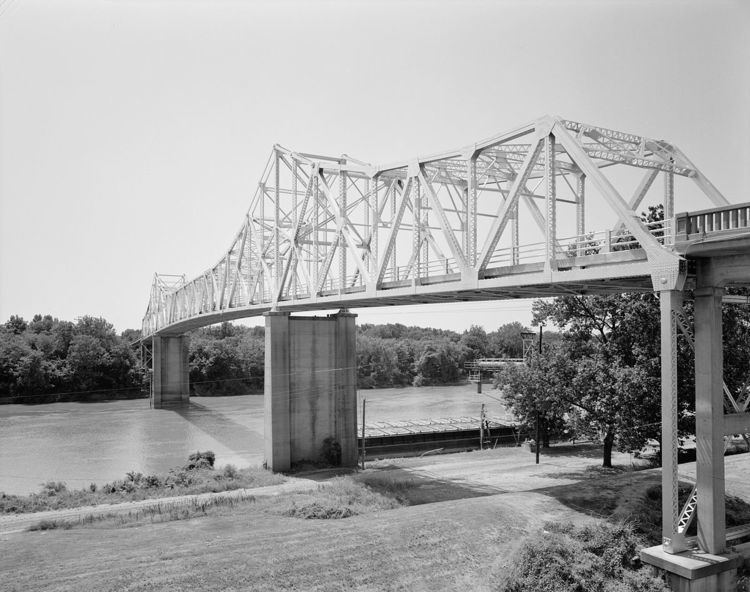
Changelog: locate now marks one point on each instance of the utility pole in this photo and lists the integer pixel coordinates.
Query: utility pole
(481, 428)
(364, 404)
(538, 443)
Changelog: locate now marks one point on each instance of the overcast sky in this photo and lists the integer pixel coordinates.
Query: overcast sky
(133, 132)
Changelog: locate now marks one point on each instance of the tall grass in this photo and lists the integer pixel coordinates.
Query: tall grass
(341, 497)
(196, 477)
(167, 512)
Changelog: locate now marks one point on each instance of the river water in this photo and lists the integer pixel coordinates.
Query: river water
(82, 443)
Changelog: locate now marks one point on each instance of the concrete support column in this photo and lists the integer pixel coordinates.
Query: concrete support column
(171, 378)
(709, 420)
(276, 434)
(310, 390)
(345, 406)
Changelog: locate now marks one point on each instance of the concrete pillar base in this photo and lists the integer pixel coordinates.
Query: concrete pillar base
(310, 390)
(171, 378)
(694, 571)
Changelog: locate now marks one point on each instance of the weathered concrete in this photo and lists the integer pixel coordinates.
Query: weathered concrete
(310, 388)
(694, 571)
(709, 419)
(171, 379)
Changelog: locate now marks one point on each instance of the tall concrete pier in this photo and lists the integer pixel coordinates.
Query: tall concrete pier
(171, 382)
(310, 389)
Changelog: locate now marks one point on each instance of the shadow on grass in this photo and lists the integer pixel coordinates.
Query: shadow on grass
(581, 450)
(233, 435)
(416, 488)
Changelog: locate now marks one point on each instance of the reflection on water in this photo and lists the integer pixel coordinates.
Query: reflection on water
(82, 443)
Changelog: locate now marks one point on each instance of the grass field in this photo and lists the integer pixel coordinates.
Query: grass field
(465, 515)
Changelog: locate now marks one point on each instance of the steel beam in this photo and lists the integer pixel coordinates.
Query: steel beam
(670, 301)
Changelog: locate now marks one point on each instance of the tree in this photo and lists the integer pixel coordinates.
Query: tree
(439, 363)
(615, 340)
(377, 363)
(476, 341)
(16, 325)
(506, 341)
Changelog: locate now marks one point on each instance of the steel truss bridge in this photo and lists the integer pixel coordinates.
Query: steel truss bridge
(502, 218)
(517, 215)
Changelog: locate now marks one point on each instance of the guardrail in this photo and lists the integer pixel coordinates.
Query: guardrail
(704, 222)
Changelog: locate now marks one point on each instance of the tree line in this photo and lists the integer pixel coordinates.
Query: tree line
(47, 359)
(229, 359)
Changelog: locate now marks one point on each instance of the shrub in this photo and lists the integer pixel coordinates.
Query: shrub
(331, 452)
(200, 460)
(597, 558)
(230, 472)
(134, 478)
(51, 488)
(179, 479)
(152, 482)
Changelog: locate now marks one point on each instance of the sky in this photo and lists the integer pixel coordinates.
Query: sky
(133, 132)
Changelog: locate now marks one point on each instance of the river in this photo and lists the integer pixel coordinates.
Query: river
(82, 443)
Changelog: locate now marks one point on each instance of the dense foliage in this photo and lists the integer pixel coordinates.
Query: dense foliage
(228, 359)
(394, 355)
(46, 359)
(603, 380)
(49, 360)
(596, 558)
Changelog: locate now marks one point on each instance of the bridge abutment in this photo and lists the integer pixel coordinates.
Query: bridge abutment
(310, 390)
(171, 378)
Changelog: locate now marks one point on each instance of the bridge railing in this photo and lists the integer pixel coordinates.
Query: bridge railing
(704, 222)
(590, 243)
(434, 268)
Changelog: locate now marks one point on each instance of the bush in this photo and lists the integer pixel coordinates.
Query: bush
(230, 472)
(200, 460)
(152, 482)
(331, 452)
(51, 488)
(597, 558)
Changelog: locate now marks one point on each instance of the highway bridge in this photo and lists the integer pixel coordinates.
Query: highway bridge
(517, 215)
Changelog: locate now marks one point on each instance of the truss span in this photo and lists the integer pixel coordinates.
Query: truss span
(503, 218)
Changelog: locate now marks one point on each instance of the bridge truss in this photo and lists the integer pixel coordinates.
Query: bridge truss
(503, 218)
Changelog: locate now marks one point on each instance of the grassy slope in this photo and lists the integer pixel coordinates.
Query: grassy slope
(490, 500)
(447, 545)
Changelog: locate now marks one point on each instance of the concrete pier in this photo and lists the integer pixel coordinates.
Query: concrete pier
(171, 379)
(310, 389)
